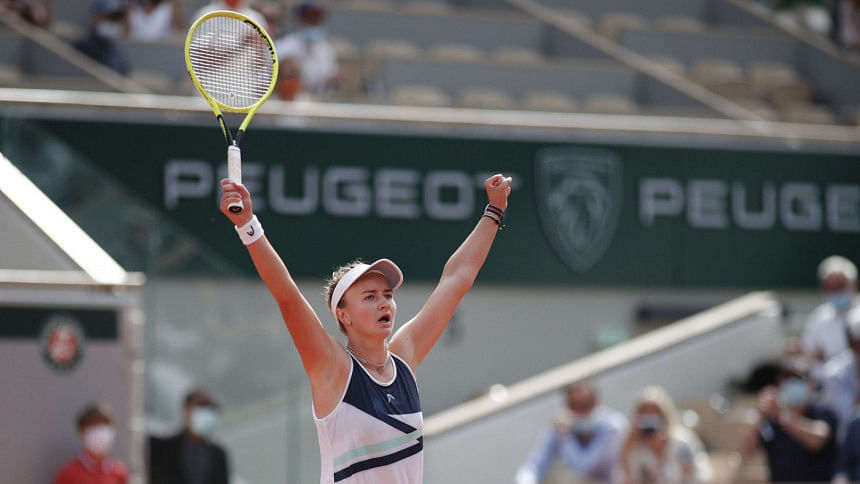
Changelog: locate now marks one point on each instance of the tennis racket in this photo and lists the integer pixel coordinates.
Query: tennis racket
(232, 62)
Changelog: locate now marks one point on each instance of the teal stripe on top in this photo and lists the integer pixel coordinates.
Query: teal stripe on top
(374, 448)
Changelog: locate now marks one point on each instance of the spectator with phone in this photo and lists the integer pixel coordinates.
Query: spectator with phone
(586, 437)
(659, 448)
(797, 435)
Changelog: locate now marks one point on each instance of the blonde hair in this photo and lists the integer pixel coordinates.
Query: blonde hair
(331, 282)
(657, 396)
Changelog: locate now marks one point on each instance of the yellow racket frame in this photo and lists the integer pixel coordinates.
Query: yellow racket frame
(217, 107)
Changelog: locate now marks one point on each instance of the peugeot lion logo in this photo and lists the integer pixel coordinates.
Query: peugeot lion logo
(579, 201)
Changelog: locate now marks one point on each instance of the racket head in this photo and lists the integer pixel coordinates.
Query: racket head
(231, 60)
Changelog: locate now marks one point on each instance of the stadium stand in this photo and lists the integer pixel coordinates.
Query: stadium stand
(450, 46)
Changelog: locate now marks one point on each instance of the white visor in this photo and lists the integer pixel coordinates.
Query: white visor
(383, 266)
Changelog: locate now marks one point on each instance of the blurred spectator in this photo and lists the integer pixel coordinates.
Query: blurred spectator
(94, 465)
(109, 23)
(37, 12)
(839, 376)
(240, 6)
(810, 14)
(586, 436)
(847, 31)
(848, 460)
(273, 12)
(798, 436)
(313, 58)
(190, 457)
(154, 20)
(824, 334)
(659, 448)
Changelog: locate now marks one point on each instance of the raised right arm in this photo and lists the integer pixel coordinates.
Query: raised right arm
(317, 349)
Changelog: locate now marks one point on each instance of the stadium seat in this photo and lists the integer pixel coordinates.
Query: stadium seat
(669, 63)
(67, 31)
(789, 94)
(10, 75)
(807, 113)
(427, 8)
(156, 82)
(485, 98)
(371, 5)
(393, 49)
(724, 466)
(726, 436)
(549, 101)
(765, 75)
(516, 56)
(455, 53)
(419, 95)
(610, 104)
(612, 24)
(725, 77)
(674, 23)
(758, 106)
(575, 16)
(343, 48)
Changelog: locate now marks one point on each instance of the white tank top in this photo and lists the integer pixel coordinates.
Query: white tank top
(375, 434)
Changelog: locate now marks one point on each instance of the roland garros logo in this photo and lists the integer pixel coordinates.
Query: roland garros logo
(62, 342)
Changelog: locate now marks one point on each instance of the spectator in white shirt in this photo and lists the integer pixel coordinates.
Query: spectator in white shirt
(585, 436)
(840, 377)
(154, 20)
(239, 6)
(824, 334)
(310, 53)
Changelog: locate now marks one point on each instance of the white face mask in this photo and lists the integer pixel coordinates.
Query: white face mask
(98, 440)
(203, 421)
(109, 30)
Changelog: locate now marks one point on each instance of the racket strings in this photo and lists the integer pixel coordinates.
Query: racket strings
(232, 61)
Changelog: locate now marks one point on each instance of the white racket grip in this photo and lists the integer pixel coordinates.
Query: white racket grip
(234, 173)
(234, 163)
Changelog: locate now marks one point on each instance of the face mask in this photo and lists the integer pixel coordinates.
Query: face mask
(841, 301)
(583, 426)
(650, 423)
(794, 392)
(98, 440)
(109, 30)
(203, 421)
(313, 34)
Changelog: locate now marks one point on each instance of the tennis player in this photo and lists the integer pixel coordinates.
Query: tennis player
(365, 399)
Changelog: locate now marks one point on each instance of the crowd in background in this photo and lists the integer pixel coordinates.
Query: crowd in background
(309, 68)
(189, 456)
(807, 421)
(308, 65)
(838, 20)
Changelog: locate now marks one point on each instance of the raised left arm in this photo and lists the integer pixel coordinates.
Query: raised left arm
(415, 339)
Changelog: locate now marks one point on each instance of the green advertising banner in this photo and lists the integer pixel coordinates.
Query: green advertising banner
(605, 214)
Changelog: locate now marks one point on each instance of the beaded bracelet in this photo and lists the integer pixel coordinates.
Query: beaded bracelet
(495, 214)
